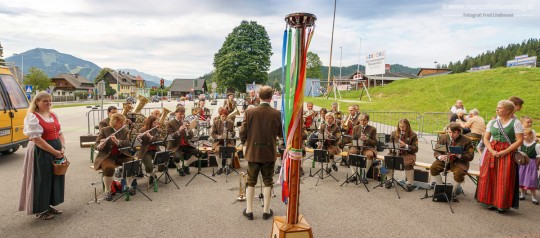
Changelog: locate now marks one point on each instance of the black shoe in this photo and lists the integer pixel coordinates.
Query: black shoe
(334, 167)
(301, 172)
(453, 198)
(278, 170)
(388, 184)
(248, 215)
(186, 170)
(364, 181)
(220, 171)
(409, 188)
(267, 216)
(521, 197)
(181, 172)
(108, 196)
(328, 170)
(535, 202)
(352, 179)
(227, 171)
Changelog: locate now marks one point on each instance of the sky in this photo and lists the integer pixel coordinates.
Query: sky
(178, 39)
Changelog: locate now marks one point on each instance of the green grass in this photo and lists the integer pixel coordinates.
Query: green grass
(481, 90)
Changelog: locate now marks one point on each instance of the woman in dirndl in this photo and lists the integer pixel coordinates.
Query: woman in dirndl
(498, 182)
(41, 189)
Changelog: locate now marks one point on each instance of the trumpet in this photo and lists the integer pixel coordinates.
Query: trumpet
(242, 181)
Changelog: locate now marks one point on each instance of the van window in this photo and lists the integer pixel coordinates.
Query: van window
(2, 103)
(18, 99)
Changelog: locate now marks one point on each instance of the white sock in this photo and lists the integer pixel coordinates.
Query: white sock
(438, 179)
(129, 181)
(250, 194)
(409, 174)
(108, 183)
(389, 175)
(353, 170)
(267, 196)
(369, 162)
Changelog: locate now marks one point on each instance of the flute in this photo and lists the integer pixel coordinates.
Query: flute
(103, 141)
(147, 132)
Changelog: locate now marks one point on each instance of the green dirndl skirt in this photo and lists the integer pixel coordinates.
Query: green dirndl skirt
(48, 188)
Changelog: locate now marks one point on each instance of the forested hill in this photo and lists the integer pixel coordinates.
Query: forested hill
(398, 68)
(498, 57)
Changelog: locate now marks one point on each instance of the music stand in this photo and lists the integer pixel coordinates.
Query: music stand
(393, 163)
(321, 157)
(227, 152)
(359, 161)
(131, 169)
(161, 159)
(199, 171)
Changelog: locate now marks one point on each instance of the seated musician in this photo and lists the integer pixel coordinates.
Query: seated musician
(180, 145)
(253, 100)
(105, 122)
(334, 108)
(230, 103)
(204, 114)
(331, 133)
(458, 164)
(222, 124)
(149, 134)
(347, 127)
(309, 115)
(407, 140)
(108, 142)
(319, 120)
(368, 135)
(156, 113)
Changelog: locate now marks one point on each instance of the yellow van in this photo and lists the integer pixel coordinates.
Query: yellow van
(13, 107)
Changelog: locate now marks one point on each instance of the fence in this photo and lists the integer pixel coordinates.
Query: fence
(94, 116)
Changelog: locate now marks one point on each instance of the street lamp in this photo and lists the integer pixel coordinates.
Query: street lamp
(340, 58)
(435, 64)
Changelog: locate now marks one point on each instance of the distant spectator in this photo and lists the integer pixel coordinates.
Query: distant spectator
(458, 116)
(275, 98)
(518, 104)
(475, 126)
(459, 105)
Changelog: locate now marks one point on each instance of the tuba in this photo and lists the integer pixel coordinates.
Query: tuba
(142, 101)
(242, 187)
(126, 108)
(164, 115)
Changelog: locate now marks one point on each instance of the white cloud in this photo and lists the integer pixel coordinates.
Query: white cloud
(179, 38)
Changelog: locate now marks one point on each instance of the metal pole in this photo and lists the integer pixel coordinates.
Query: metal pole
(340, 59)
(331, 46)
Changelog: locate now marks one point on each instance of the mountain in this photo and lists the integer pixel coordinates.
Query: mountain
(151, 80)
(347, 70)
(53, 62)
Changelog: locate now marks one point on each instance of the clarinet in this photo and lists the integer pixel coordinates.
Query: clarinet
(401, 139)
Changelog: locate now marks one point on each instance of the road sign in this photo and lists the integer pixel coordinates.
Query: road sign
(28, 88)
(28, 96)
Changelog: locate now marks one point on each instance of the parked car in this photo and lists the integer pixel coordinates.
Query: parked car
(132, 100)
(155, 99)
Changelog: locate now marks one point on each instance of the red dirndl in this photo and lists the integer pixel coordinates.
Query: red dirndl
(498, 182)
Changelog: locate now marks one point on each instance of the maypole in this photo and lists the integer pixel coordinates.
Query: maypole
(296, 50)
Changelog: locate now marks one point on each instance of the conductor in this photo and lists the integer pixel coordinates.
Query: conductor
(260, 128)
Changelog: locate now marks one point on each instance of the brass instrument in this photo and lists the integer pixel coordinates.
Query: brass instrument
(242, 187)
(230, 104)
(338, 116)
(164, 115)
(126, 108)
(233, 114)
(141, 102)
(195, 111)
(345, 125)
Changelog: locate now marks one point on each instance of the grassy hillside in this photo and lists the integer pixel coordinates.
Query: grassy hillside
(481, 90)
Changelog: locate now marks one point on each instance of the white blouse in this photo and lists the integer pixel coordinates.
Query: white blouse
(518, 127)
(32, 129)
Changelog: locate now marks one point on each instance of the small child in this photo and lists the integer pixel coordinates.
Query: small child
(527, 123)
(528, 174)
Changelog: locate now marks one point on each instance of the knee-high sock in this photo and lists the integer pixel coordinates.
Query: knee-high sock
(409, 174)
(250, 194)
(438, 179)
(191, 159)
(369, 162)
(129, 181)
(389, 175)
(353, 170)
(223, 162)
(267, 193)
(108, 183)
(331, 162)
(455, 188)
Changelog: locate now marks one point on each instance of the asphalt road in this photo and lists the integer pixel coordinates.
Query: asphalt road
(206, 209)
